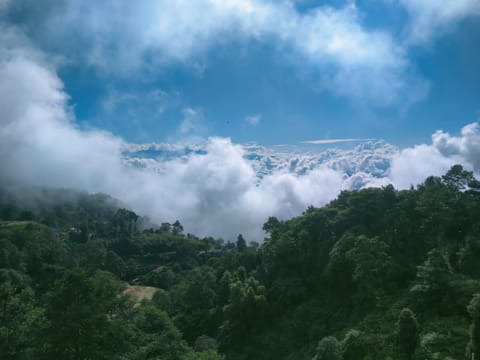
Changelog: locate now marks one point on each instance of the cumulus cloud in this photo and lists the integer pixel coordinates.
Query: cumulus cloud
(412, 165)
(428, 18)
(466, 146)
(219, 193)
(216, 193)
(349, 59)
(38, 139)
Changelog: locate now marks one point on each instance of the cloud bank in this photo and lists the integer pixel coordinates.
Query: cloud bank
(219, 192)
(216, 193)
(333, 43)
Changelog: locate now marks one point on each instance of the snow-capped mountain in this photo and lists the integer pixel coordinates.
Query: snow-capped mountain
(359, 165)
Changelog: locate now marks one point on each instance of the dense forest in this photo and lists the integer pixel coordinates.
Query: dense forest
(375, 274)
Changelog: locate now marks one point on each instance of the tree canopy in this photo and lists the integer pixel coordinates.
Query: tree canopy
(375, 274)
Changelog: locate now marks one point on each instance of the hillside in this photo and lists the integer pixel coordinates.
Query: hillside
(375, 274)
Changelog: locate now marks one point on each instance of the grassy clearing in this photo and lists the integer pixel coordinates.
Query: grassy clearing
(140, 293)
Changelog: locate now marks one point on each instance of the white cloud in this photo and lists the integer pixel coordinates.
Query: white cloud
(217, 193)
(38, 141)
(348, 58)
(412, 165)
(466, 146)
(429, 18)
(253, 119)
(352, 61)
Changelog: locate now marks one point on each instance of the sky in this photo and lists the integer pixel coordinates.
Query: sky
(80, 80)
(270, 72)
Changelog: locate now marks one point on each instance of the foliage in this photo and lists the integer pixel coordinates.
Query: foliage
(328, 349)
(474, 312)
(407, 333)
(337, 282)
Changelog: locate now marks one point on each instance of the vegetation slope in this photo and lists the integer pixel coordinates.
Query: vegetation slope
(375, 274)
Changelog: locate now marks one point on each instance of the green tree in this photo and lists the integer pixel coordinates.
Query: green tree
(83, 313)
(126, 223)
(354, 345)
(245, 310)
(205, 343)
(457, 178)
(21, 323)
(194, 301)
(473, 349)
(157, 337)
(177, 228)
(339, 270)
(241, 243)
(407, 333)
(469, 256)
(224, 287)
(165, 227)
(328, 349)
(432, 281)
(115, 264)
(10, 257)
(205, 355)
(271, 225)
(372, 265)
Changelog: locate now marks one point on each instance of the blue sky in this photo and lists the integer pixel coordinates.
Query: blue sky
(404, 69)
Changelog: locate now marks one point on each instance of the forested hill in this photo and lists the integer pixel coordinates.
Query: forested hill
(375, 274)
